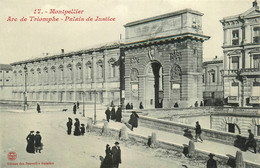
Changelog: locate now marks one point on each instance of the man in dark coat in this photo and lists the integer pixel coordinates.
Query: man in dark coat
(131, 106)
(141, 106)
(198, 132)
(251, 141)
(74, 108)
(118, 114)
(108, 161)
(82, 129)
(108, 113)
(133, 120)
(127, 106)
(30, 143)
(77, 104)
(116, 153)
(38, 108)
(196, 104)
(113, 113)
(38, 142)
(69, 126)
(211, 163)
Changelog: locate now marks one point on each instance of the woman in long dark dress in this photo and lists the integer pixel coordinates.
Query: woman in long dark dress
(133, 120)
(38, 142)
(108, 161)
(113, 113)
(77, 127)
(30, 143)
(119, 114)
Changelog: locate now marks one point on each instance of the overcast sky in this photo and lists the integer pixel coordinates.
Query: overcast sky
(25, 40)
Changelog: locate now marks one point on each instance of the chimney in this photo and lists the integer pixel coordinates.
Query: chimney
(62, 51)
(255, 3)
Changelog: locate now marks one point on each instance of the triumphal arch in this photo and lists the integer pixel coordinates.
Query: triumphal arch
(163, 60)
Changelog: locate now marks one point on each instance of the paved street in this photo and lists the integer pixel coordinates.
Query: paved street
(61, 149)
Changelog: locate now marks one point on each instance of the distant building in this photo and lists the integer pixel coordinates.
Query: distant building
(212, 82)
(5, 75)
(67, 77)
(241, 49)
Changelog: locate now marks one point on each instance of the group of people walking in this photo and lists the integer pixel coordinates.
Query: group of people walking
(115, 115)
(34, 143)
(79, 129)
(113, 157)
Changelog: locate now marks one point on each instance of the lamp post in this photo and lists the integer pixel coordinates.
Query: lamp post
(25, 88)
(95, 108)
(83, 103)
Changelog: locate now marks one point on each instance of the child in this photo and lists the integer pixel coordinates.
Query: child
(82, 129)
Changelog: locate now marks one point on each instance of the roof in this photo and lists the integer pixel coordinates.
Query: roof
(96, 48)
(214, 61)
(163, 16)
(6, 67)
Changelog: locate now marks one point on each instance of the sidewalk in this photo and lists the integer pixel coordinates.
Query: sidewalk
(207, 146)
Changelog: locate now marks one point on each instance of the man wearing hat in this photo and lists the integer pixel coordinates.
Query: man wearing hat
(108, 113)
(74, 108)
(38, 143)
(30, 142)
(211, 163)
(198, 132)
(69, 126)
(116, 152)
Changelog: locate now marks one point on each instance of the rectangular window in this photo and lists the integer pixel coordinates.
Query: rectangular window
(258, 130)
(231, 127)
(256, 60)
(256, 35)
(203, 78)
(7, 71)
(0, 80)
(0, 71)
(7, 80)
(235, 62)
(235, 37)
(213, 77)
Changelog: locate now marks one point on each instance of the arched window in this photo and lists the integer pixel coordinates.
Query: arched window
(53, 74)
(99, 69)
(70, 72)
(45, 78)
(38, 75)
(89, 69)
(31, 76)
(61, 73)
(15, 77)
(79, 71)
(112, 68)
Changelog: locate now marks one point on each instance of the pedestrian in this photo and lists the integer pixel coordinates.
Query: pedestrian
(131, 106)
(211, 163)
(108, 161)
(141, 106)
(176, 105)
(77, 104)
(127, 106)
(201, 104)
(196, 104)
(38, 142)
(38, 108)
(133, 120)
(77, 127)
(108, 113)
(198, 132)
(82, 129)
(112, 104)
(74, 108)
(116, 153)
(30, 143)
(119, 114)
(251, 141)
(113, 113)
(69, 126)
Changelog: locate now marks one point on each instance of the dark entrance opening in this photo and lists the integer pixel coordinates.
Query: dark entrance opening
(231, 127)
(158, 91)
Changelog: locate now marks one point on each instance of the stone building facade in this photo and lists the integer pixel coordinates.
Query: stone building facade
(68, 77)
(163, 60)
(241, 49)
(212, 82)
(5, 75)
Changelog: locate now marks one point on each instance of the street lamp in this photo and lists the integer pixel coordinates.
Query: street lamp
(25, 88)
(95, 108)
(83, 102)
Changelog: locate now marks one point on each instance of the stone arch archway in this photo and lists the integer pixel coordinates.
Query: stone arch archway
(153, 91)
